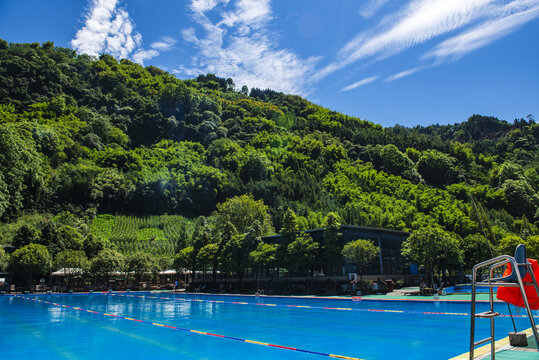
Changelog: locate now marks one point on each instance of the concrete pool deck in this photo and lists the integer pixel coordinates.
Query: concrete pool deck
(504, 351)
(402, 294)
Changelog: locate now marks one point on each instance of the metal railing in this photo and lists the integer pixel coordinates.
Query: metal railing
(493, 282)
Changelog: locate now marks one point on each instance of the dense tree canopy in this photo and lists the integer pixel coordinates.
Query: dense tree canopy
(360, 252)
(4, 259)
(140, 264)
(106, 262)
(31, 260)
(433, 248)
(92, 137)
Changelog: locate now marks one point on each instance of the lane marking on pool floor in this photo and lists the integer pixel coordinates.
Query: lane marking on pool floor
(306, 306)
(189, 330)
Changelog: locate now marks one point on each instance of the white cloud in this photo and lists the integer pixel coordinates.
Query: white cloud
(404, 73)
(106, 29)
(371, 8)
(142, 55)
(201, 6)
(420, 21)
(360, 83)
(166, 43)
(109, 29)
(484, 34)
(248, 15)
(240, 46)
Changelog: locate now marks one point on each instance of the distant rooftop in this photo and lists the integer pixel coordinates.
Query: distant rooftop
(9, 248)
(351, 227)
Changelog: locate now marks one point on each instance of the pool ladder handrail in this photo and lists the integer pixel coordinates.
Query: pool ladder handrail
(491, 283)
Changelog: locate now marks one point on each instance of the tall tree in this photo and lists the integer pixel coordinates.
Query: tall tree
(361, 252)
(475, 249)
(30, 261)
(140, 264)
(262, 258)
(332, 240)
(106, 263)
(433, 248)
(202, 236)
(226, 231)
(290, 226)
(302, 253)
(182, 260)
(4, 259)
(72, 262)
(242, 211)
(208, 257)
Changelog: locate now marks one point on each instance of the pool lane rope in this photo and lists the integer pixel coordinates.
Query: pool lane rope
(304, 306)
(188, 330)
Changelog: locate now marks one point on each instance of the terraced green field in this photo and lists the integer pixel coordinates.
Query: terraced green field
(157, 235)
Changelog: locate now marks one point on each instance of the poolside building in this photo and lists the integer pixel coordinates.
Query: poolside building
(8, 248)
(390, 262)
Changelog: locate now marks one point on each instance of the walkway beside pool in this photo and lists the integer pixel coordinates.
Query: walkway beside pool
(400, 294)
(504, 351)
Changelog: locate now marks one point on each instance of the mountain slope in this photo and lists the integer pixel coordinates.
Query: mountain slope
(78, 133)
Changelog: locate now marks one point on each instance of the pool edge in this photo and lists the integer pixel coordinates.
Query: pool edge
(485, 350)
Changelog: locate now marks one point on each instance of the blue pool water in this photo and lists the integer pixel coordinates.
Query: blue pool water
(467, 289)
(35, 330)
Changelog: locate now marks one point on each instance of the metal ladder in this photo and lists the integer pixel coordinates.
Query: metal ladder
(491, 283)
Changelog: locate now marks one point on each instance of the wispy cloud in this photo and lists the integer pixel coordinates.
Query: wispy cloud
(109, 29)
(418, 22)
(371, 8)
(248, 15)
(201, 6)
(482, 35)
(241, 46)
(360, 83)
(404, 73)
(165, 44)
(142, 55)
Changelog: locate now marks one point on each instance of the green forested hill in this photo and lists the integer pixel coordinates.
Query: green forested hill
(89, 136)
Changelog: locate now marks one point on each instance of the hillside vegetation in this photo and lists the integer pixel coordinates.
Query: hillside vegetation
(81, 137)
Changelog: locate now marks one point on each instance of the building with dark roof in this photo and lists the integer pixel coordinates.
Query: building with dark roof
(8, 248)
(390, 261)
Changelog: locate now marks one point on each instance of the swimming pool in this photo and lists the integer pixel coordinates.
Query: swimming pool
(99, 326)
(467, 289)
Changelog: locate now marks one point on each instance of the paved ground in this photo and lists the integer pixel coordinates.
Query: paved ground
(518, 353)
(504, 351)
(400, 294)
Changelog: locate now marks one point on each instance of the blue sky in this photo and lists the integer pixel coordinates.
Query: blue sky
(414, 62)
